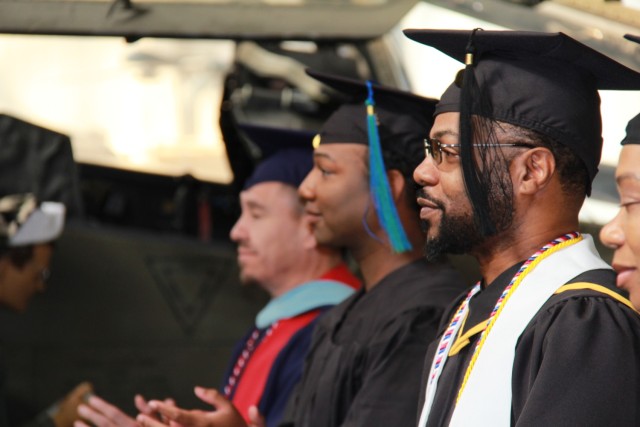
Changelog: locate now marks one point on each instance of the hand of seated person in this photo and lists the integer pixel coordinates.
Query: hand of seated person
(224, 413)
(65, 412)
(100, 413)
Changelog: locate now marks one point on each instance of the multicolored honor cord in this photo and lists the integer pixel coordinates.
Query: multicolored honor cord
(257, 336)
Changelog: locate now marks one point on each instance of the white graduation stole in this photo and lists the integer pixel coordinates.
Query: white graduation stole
(486, 398)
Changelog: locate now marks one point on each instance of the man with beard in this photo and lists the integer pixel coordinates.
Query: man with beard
(362, 369)
(544, 338)
(278, 252)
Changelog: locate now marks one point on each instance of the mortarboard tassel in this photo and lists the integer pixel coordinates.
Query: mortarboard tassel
(477, 189)
(379, 184)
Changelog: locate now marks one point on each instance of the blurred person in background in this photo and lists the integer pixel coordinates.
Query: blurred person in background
(277, 251)
(39, 161)
(27, 234)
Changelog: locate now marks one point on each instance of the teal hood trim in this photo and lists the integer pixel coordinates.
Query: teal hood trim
(311, 295)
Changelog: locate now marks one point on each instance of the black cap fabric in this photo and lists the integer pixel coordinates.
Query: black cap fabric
(546, 82)
(287, 155)
(403, 118)
(633, 127)
(38, 161)
(633, 131)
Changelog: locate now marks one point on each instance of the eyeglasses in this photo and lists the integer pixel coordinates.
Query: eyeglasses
(434, 148)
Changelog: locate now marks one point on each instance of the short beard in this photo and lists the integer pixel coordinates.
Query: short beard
(457, 234)
(460, 233)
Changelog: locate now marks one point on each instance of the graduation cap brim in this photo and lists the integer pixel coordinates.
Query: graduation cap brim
(608, 74)
(356, 90)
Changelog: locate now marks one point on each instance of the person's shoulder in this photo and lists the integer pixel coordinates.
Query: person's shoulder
(588, 298)
(417, 296)
(331, 315)
(590, 286)
(429, 284)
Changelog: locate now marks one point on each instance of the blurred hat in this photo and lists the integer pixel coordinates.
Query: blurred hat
(547, 82)
(633, 131)
(287, 154)
(24, 222)
(379, 116)
(39, 161)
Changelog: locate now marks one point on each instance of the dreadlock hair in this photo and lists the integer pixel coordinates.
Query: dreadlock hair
(492, 166)
(574, 178)
(488, 182)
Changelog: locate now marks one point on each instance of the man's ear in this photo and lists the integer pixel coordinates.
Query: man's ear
(397, 184)
(532, 171)
(308, 238)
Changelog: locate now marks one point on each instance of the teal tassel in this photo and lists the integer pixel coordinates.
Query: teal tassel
(379, 184)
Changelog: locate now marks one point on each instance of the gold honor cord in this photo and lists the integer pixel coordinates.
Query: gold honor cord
(465, 339)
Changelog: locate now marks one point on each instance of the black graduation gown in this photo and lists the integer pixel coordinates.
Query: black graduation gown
(577, 363)
(366, 355)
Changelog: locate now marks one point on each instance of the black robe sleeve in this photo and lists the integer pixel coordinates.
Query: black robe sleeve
(578, 364)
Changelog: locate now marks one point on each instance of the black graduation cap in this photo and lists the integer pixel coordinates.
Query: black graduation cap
(547, 82)
(633, 127)
(633, 131)
(287, 154)
(403, 118)
(379, 116)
